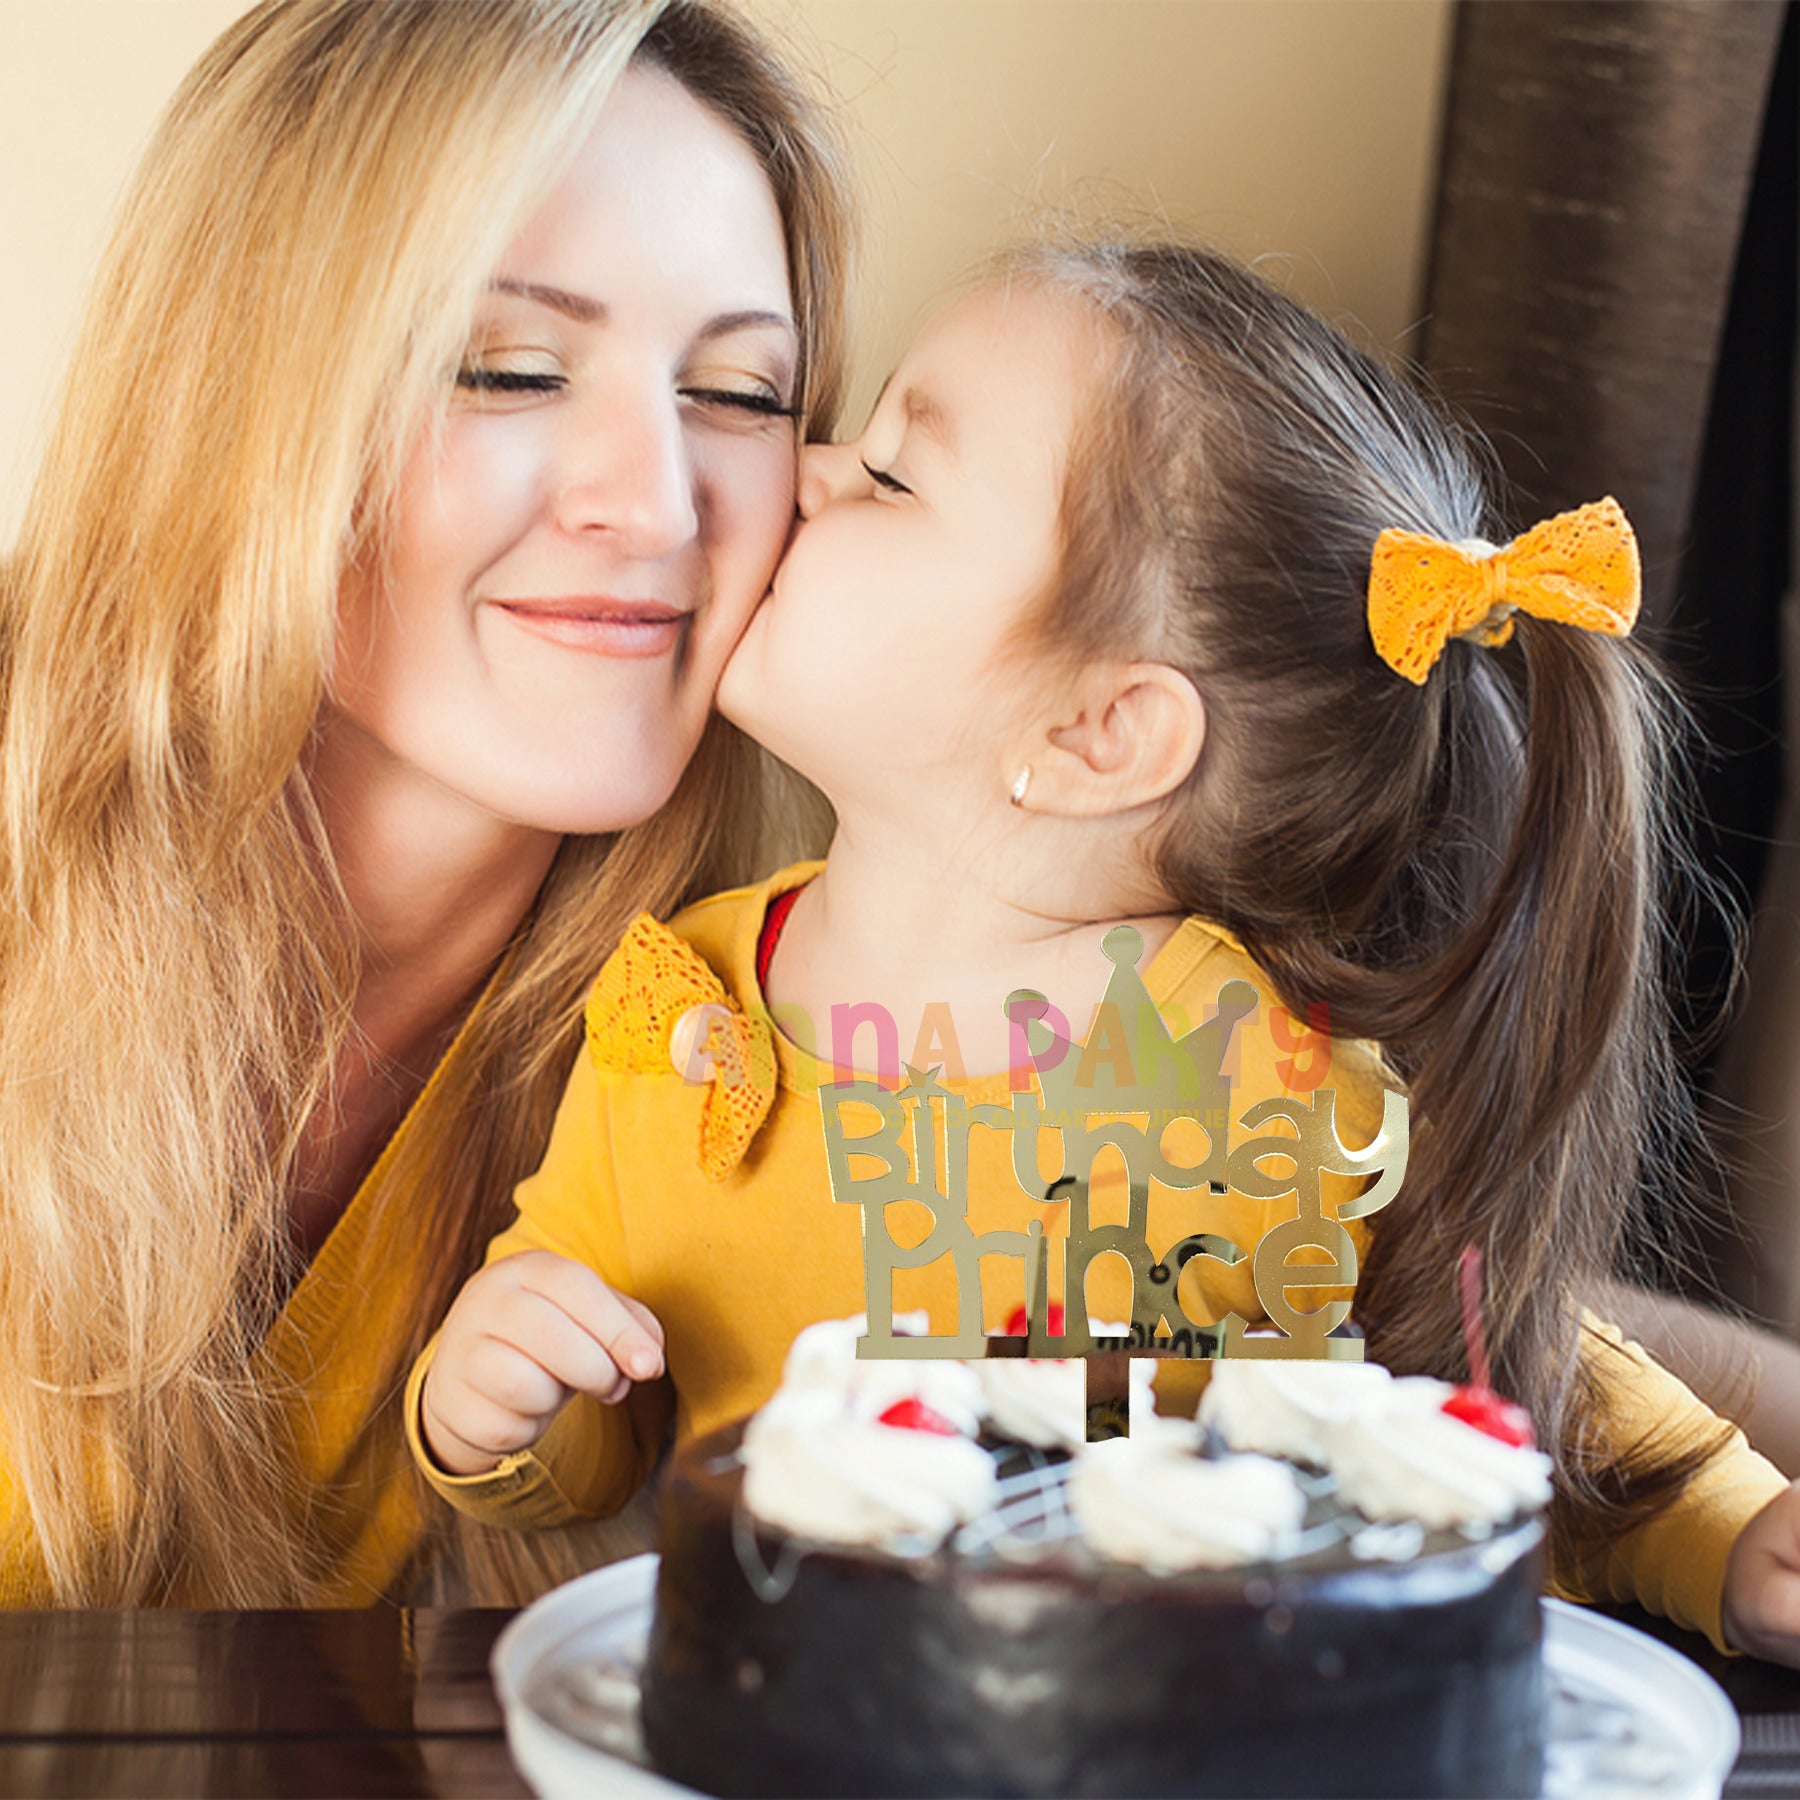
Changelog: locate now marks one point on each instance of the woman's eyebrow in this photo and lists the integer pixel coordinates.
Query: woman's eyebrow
(587, 311)
(753, 320)
(572, 306)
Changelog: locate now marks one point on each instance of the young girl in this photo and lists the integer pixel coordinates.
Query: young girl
(1100, 621)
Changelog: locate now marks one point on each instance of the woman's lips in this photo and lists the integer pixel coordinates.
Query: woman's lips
(605, 627)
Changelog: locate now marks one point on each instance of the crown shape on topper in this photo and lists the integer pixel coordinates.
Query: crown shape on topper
(1119, 1091)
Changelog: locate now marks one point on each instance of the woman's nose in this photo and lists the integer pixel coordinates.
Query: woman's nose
(827, 473)
(628, 471)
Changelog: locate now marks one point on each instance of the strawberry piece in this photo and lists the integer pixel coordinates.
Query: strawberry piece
(1486, 1411)
(1018, 1321)
(912, 1414)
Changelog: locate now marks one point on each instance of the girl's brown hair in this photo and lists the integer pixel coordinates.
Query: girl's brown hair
(293, 273)
(1471, 874)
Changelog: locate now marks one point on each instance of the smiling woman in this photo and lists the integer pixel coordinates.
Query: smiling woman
(614, 477)
(431, 438)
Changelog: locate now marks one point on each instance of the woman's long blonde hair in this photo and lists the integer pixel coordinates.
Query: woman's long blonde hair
(293, 273)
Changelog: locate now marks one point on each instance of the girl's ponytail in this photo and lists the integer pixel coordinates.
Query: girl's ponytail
(1537, 1048)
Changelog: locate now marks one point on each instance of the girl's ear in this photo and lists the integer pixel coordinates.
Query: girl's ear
(1135, 737)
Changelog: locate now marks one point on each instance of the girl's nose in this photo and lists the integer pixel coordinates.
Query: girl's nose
(827, 472)
(627, 471)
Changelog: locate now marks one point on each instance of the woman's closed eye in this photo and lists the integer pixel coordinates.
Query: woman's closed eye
(888, 483)
(740, 406)
(493, 372)
(751, 406)
(474, 379)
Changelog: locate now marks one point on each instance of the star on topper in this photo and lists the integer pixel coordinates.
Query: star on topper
(924, 1083)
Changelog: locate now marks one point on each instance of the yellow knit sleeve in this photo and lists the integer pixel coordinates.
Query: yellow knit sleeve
(594, 1457)
(1674, 1563)
(24, 1576)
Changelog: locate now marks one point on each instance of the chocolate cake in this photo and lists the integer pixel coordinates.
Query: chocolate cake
(1016, 1659)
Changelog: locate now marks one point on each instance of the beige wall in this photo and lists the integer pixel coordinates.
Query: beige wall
(1302, 128)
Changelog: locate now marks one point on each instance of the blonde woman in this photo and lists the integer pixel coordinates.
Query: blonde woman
(430, 438)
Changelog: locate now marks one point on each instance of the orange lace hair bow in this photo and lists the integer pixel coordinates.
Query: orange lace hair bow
(1580, 568)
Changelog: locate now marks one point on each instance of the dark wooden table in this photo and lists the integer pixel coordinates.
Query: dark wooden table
(398, 1703)
(370, 1703)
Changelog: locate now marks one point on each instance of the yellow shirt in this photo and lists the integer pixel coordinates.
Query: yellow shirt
(735, 1268)
(325, 1352)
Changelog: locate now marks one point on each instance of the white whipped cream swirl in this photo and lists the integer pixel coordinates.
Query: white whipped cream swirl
(1403, 1457)
(1149, 1502)
(1042, 1401)
(1283, 1408)
(820, 1471)
(823, 1358)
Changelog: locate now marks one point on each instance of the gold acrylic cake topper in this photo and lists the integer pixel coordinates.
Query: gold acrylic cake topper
(1089, 1102)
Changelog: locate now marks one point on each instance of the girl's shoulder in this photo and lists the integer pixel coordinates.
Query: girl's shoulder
(1196, 962)
(658, 975)
(1298, 1044)
(723, 928)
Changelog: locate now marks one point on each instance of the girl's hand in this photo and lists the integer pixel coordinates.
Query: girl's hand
(525, 1334)
(1762, 1583)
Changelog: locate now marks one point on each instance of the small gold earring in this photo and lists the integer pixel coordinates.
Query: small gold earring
(1020, 783)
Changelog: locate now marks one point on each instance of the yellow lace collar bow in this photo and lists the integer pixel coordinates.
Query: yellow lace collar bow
(658, 1008)
(1580, 568)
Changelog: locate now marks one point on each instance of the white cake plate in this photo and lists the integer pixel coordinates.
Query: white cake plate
(566, 1672)
(1629, 1717)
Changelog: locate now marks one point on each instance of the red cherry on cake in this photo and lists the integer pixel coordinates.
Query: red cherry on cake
(1486, 1411)
(1018, 1321)
(912, 1414)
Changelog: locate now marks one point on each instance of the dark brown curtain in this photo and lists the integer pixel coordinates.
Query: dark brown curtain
(1597, 166)
(1612, 300)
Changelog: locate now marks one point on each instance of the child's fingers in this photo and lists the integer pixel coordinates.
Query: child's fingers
(523, 1334)
(563, 1354)
(624, 1328)
(646, 1318)
(468, 1430)
(513, 1365)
